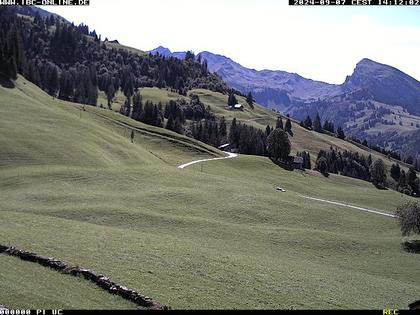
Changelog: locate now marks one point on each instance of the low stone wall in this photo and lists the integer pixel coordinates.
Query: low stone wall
(411, 246)
(97, 278)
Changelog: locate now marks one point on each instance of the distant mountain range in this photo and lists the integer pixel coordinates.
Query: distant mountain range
(167, 53)
(275, 89)
(377, 102)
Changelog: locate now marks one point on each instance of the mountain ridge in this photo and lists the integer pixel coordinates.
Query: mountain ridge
(376, 101)
(296, 85)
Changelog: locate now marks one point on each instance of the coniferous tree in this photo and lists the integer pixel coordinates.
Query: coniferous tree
(147, 113)
(158, 116)
(378, 173)
(137, 106)
(279, 123)
(92, 92)
(395, 172)
(233, 133)
(232, 100)
(66, 86)
(369, 160)
(178, 127)
(33, 74)
(278, 145)
(53, 83)
(321, 165)
(110, 93)
(126, 108)
(170, 123)
(340, 133)
(179, 84)
(222, 127)
(307, 161)
(328, 126)
(11, 68)
(267, 130)
(288, 127)
(12, 56)
(317, 124)
(189, 56)
(250, 100)
(308, 122)
(403, 186)
(413, 181)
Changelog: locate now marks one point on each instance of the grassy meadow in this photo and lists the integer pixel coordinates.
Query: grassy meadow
(32, 286)
(216, 235)
(259, 117)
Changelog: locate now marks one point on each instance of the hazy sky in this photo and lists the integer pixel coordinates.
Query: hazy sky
(321, 43)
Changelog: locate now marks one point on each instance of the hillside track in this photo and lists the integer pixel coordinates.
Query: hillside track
(229, 156)
(350, 206)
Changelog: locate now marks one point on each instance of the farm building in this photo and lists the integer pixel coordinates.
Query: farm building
(235, 107)
(292, 163)
(298, 162)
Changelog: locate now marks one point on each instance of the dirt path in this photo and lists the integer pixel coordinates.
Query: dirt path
(233, 155)
(350, 206)
(230, 156)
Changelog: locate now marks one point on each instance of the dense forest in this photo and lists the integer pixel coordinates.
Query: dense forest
(73, 63)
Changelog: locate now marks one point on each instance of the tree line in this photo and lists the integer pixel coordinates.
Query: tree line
(72, 63)
(353, 164)
(12, 56)
(316, 125)
(406, 182)
(344, 163)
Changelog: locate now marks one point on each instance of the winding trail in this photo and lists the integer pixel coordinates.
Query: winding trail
(229, 156)
(233, 155)
(349, 206)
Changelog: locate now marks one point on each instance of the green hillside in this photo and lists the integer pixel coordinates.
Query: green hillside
(35, 287)
(303, 139)
(258, 117)
(115, 45)
(214, 235)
